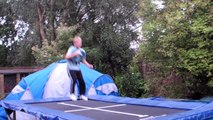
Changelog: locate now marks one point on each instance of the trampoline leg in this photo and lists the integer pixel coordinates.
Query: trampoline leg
(14, 115)
(9, 113)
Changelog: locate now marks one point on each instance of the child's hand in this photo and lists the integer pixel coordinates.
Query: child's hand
(77, 53)
(90, 66)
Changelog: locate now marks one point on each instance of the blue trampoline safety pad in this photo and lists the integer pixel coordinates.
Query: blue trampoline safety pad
(112, 108)
(197, 110)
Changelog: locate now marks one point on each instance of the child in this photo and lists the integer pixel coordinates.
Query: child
(74, 56)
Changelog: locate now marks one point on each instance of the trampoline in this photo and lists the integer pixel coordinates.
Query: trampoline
(110, 108)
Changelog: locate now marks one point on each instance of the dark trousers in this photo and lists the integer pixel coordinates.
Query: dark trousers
(76, 75)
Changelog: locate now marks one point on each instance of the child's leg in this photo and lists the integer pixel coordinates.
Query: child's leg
(81, 83)
(74, 79)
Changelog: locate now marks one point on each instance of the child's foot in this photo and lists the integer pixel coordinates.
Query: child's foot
(83, 98)
(73, 97)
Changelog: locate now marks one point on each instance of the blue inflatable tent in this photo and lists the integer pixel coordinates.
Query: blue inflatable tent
(54, 82)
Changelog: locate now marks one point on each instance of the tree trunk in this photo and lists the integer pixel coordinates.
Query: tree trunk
(66, 12)
(52, 20)
(41, 20)
(71, 13)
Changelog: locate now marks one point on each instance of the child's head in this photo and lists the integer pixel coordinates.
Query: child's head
(77, 41)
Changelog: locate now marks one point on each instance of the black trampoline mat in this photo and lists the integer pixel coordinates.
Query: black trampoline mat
(107, 110)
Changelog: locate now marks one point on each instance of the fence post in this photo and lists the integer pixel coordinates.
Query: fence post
(18, 77)
(2, 85)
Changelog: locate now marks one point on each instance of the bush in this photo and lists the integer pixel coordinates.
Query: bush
(55, 50)
(130, 83)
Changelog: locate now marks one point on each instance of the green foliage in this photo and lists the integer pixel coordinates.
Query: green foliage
(106, 26)
(7, 27)
(95, 56)
(178, 38)
(107, 32)
(130, 82)
(3, 54)
(115, 49)
(20, 54)
(46, 54)
(54, 51)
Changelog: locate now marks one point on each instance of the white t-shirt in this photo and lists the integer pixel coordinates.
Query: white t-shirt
(74, 63)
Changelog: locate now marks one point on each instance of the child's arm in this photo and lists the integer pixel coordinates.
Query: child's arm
(87, 64)
(71, 54)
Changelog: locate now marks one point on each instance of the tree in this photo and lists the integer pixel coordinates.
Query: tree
(108, 31)
(179, 39)
(20, 54)
(7, 27)
(3, 54)
(105, 27)
(56, 50)
(131, 80)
